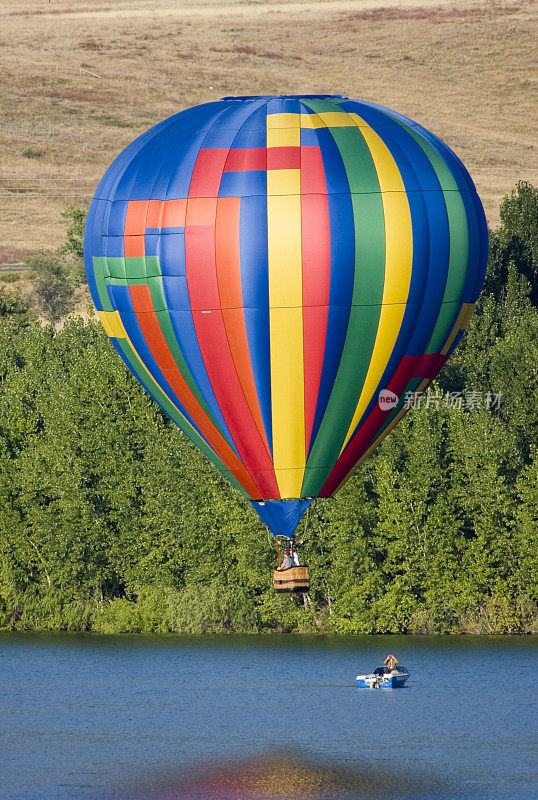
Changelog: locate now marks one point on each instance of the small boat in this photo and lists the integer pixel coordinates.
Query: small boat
(390, 676)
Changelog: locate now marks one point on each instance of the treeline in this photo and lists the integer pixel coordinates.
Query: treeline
(110, 520)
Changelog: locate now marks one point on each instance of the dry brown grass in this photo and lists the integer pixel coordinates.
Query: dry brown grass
(80, 81)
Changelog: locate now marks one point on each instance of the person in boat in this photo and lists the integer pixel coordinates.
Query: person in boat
(390, 663)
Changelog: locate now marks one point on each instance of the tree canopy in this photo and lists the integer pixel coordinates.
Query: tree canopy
(111, 520)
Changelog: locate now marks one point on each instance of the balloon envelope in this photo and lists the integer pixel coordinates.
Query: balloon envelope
(280, 273)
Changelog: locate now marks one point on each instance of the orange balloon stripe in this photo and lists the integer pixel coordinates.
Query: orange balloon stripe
(149, 325)
(231, 302)
(215, 349)
(135, 217)
(142, 214)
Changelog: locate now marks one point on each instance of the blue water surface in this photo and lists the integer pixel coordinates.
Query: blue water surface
(86, 717)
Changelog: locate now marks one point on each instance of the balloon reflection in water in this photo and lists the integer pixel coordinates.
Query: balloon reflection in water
(288, 777)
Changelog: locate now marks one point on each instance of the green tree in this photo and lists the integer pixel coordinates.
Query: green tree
(54, 285)
(515, 241)
(111, 520)
(58, 276)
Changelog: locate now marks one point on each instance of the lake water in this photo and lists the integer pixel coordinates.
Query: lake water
(86, 717)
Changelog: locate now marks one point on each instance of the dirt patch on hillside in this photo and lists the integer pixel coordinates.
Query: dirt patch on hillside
(80, 81)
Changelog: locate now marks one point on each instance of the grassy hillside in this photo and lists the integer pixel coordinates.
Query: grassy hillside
(80, 80)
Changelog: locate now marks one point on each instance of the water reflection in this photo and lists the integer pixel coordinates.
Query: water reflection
(288, 777)
(86, 717)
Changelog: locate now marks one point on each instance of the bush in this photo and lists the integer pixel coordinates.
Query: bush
(54, 285)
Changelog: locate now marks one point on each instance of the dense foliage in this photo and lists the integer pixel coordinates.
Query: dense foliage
(112, 521)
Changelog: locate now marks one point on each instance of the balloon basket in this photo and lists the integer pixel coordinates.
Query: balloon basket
(293, 580)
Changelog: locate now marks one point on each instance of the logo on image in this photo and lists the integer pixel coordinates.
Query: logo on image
(387, 400)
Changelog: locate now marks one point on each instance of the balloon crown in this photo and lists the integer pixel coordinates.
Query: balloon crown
(288, 97)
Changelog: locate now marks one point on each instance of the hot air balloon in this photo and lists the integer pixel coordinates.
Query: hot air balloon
(279, 273)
